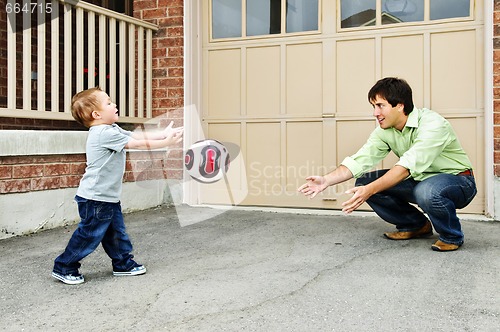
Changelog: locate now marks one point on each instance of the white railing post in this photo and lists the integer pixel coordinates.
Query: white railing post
(54, 57)
(91, 50)
(149, 73)
(41, 65)
(122, 103)
(67, 58)
(112, 59)
(102, 51)
(79, 49)
(131, 70)
(11, 58)
(140, 72)
(26, 59)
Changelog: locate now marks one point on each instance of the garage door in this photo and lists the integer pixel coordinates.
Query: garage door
(287, 82)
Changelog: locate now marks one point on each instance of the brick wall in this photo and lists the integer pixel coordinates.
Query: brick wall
(20, 174)
(168, 64)
(33, 173)
(168, 54)
(496, 84)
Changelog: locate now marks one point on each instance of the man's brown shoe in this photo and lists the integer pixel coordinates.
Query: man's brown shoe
(443, 246)
(422, 232)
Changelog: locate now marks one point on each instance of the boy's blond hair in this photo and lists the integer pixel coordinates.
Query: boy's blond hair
(83, 104)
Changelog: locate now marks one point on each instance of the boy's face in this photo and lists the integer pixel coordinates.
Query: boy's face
(108, 113)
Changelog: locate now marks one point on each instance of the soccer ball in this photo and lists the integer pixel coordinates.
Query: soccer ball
(206, 161)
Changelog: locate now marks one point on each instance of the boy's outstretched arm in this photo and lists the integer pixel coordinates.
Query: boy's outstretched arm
(156, 140)
(156, 134)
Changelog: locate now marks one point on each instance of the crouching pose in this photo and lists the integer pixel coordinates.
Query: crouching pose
(433, 170)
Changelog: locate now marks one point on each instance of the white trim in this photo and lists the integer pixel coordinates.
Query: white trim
(489, 178)
(192, 84)
(38, 142)
(321, 212)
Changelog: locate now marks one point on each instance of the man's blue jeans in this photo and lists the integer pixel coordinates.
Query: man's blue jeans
(101, 222)
(439, 197)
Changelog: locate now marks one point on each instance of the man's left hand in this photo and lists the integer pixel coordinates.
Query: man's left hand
(361, 194)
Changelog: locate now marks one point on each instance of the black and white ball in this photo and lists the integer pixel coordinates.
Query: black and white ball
(207, 161)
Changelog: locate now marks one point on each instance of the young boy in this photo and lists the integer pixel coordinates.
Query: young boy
(98, 196)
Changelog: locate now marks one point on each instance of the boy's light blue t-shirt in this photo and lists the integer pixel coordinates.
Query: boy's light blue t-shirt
(106, 156)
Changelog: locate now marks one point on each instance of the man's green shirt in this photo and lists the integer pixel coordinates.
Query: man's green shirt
(426, 146)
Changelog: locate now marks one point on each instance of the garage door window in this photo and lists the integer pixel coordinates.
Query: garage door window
(249, 18)
(366, 13)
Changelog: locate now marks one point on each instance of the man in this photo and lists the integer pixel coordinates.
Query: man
(433, 170)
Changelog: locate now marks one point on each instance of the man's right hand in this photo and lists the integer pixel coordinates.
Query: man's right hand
(314, 185)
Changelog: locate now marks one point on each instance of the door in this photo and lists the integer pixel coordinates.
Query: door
(287, 80)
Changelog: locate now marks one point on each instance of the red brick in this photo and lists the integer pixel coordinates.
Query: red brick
(175, 92)
(175, 11)
(75, 157)
(15, 186)
(70, 181)
(77, 168)
(176, 154)
(159, 52)
(170, 22)
(160, 93)
(27, 171)
(174, 164)
(176, 72)
(56, 169)
(170, 62)
(175, 31)
(144, 4)
(171, 82)
(170, 42)
(154, 13)
(156, 174)
(174, 174)
(175, 51)
(45, 183)
(5, 172)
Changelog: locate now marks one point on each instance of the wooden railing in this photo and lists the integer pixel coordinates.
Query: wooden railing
(76, 45)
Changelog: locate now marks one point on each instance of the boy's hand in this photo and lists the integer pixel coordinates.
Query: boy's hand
(170, 129)
(173, 135)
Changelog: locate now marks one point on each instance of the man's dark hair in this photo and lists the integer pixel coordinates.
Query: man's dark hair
(395, 91)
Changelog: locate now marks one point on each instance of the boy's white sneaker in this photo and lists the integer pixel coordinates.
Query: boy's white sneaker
(137, 270)
(70, 279)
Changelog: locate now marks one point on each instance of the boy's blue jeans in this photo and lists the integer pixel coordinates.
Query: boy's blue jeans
(101, 222)
(439, 197)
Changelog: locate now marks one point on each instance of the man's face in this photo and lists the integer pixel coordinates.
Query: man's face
(388, 116)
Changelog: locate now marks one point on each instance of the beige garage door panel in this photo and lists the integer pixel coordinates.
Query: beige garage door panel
(470, 131)
(304, 77)
(453, 78)
(304, 152)
(351, 135)
(224, 83)
(229, 133)
(355, 76)
(410, 66)
(263, 158)
(263, 81)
